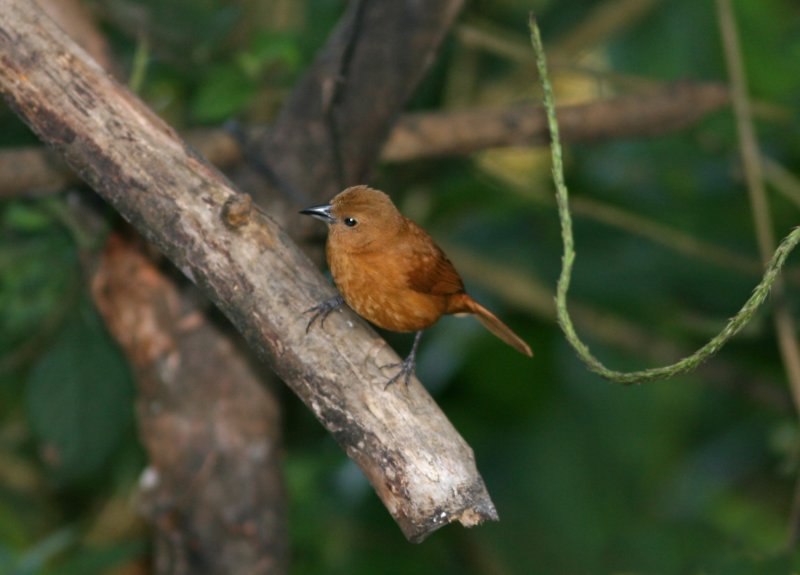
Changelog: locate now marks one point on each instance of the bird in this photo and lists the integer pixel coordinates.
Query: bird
(391, 272)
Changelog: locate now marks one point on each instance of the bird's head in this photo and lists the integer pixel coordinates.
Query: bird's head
(358, 217)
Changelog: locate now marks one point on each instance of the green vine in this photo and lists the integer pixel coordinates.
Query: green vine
(734, 325)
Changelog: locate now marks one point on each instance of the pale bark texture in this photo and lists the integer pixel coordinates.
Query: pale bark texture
(420, 467)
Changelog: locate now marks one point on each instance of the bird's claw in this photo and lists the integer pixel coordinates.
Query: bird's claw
(323, 310)
(407, 366)
(406, 371)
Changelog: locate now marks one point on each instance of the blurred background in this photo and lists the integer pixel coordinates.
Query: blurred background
(692, 475)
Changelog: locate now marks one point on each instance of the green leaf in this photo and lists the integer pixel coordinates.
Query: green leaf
(224, 92)
(26, 217)
(34, 559)
(79, 397)
(268, 49)
(37, 288)
(92, 559)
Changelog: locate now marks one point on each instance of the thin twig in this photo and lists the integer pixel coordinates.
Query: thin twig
(751, 163)
(602, 22)
(141, 60)
(784, 181)
(671, 238)
(686, 364)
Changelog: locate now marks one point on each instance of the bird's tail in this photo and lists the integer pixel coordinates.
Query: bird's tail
(491, 322)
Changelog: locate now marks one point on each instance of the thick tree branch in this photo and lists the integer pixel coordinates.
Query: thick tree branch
(213, 487)
(35, 170)
(419, 465)
(76, 20)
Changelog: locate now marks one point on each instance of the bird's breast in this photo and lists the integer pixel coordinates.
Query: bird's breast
(375, 286)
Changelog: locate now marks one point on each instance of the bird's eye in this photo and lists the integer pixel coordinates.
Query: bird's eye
(350, 222)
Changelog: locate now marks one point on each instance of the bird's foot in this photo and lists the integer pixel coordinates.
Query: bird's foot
(407, 367)
(323, 310)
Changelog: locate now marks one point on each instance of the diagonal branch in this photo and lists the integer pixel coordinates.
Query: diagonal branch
(420, 467)
(371, 65)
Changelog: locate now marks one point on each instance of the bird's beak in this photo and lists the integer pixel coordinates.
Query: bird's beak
(321, 212)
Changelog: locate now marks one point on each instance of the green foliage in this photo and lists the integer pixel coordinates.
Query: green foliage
(65, 395)
(34, 559)
(228, 88)
(79, 397)
(38, 270)
(225, 90)
(93, 559)
(271, 49)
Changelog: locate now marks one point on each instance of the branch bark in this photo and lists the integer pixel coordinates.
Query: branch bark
(212, 489)
(420, 467)
(666, 110)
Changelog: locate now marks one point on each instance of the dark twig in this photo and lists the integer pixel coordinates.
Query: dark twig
(261, 164)
(765, 235)
(332, 105)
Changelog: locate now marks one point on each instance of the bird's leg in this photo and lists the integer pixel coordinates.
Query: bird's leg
(406, 366)
(323, 310)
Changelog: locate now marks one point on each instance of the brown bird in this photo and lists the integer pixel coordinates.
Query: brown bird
(392, 273)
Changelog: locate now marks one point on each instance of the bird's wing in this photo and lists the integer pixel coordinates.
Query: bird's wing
(430, 271)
